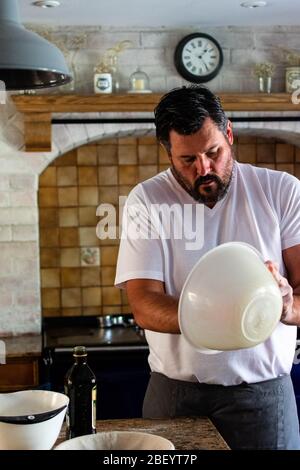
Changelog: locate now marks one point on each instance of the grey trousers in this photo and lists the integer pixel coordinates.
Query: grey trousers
(262, 415)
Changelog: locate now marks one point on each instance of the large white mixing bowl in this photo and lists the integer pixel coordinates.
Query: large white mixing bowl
(230, 300)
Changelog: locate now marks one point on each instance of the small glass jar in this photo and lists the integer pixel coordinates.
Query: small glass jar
(265, 84)
(102, 82)
(139, 82)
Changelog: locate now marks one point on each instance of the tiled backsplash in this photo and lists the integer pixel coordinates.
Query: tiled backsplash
(78, 269)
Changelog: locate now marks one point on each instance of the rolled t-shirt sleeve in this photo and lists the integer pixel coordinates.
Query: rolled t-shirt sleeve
(290, 211)
(140, 253)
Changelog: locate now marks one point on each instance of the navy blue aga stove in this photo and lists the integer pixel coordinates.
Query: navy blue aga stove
(117, 354)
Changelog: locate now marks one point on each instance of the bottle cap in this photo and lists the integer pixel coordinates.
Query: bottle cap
(79, 351)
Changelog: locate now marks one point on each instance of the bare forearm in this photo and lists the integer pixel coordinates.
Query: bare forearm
(157, 312)
(292, 316)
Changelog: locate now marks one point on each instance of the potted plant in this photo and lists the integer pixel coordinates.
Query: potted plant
(292, 72)
(264, 71)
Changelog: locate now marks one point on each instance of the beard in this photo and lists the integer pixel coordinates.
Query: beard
(203, 192)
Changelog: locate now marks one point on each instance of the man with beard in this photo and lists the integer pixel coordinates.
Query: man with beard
(247, 393)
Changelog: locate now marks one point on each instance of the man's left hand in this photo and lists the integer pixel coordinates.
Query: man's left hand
(287, 316)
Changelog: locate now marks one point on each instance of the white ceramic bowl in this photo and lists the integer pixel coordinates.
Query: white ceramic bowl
(31, 419)
(117, 440)
(230, 300)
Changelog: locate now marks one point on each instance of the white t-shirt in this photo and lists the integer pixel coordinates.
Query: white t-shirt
(262, 208)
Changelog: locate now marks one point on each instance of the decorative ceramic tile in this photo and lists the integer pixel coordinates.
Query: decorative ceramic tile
(90, 256)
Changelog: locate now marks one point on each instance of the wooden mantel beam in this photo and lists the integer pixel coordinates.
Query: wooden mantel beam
(38, 109)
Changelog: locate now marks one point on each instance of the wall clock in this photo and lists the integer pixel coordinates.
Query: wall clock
(198, 57)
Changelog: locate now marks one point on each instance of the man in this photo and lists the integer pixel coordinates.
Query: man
(247, 393)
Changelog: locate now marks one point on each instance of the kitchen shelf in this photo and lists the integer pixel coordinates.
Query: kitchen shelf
(38, 109)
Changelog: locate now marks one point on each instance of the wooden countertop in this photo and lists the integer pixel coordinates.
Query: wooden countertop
(185, 433)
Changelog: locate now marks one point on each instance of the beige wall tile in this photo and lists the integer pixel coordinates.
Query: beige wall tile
(49, 257)
(47, 197)
(90, 277)
(163, 167)
(49, 237)
(109, 255)
(147, 171)
(71, 312)
(147, 140)
(91, 296)
(48, 217)
(271, 166)
(88, 236)
(67, 176)
(111, 309)
(50, 277)
(87, 216)
(107, 155)
(108, 274)
(108, 195)
(265, 140)
(246, 139)
(92, 311)
(127, 141)
(87, 155)
(266, 153)
(126, 309)
(68, 236)
(128, 174)
(68, 159)
(111, 296)
(87, 176)
(108, 175)
(288, 167)
(68, 196)
(297, 171)
(68, 217)
(127, 154)
(71, 297)
(284, 153)
(247, 153)
(51, 312)
(107, 141)
(70, 257)
(88, 196)
(70, 277)
(50, 298)
(148, 154)
(48, 177)
(124, 297)
(124, 190)
(163, 155)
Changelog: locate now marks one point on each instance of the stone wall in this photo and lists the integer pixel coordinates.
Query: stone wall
(153, 51)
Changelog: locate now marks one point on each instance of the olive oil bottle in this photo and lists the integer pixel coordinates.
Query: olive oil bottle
(80, 386)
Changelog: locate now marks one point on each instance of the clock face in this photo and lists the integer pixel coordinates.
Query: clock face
(198, 58)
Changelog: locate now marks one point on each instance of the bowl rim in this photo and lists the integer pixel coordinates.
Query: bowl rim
(33, 418)
(94, 436)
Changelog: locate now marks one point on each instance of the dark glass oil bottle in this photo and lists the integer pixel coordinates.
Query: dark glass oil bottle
(81, 388)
